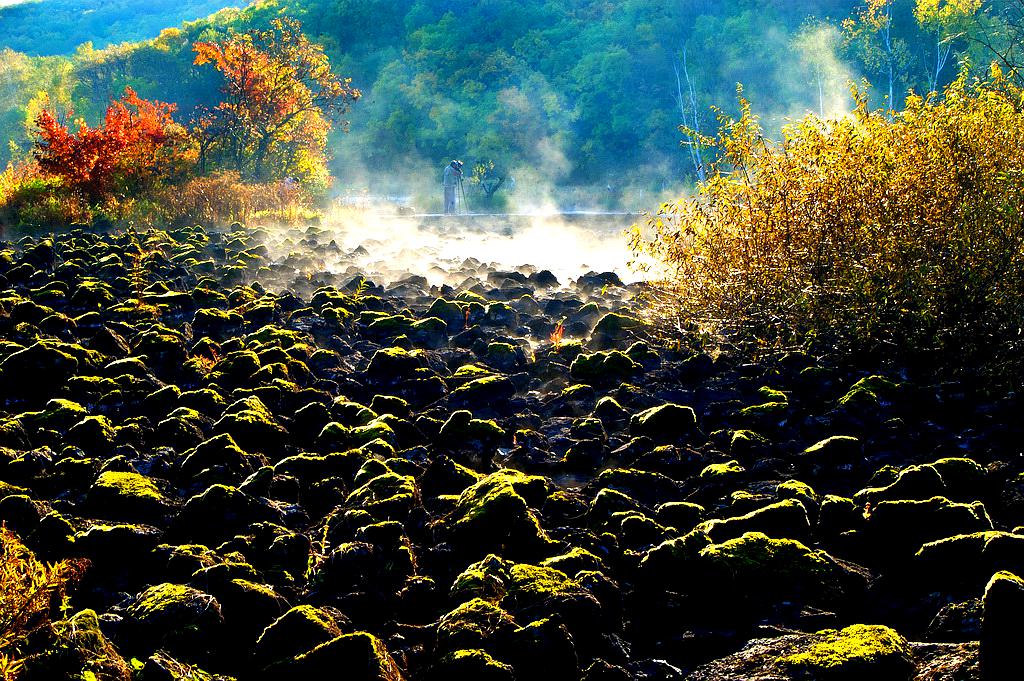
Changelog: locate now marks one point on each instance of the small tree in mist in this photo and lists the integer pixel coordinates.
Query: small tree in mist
(903, 234)
(489, 177)
(280, 98)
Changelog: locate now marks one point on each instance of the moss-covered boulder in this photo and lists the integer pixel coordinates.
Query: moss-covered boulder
(248, 607)
(94, 434)
(477, 623)
(449, 312)
(786, 518)
(495, 515)
(741, 576)
(127, 496)
(602, 368)
(665, 424)
(646, 486)
(662, 565)
(36, 369)
(387, 495)
(57, 414)
(471, 665)
(297, 631)
(536, 591)
(856, 652)
(504, 356)
(174, 616)
(429, 332)
(613, 329)
(966, 561)
(218, 459)
(956, 478)
(500, 314)
(488, 390)
(860, 651)
(895, 530)
(361, 655)
(576, 560)
(544, 648)
(221, 512)
(868, 392)
(79, 649)
(1000, 630)
(390, 404)
(234, 369)
(336, 437)
(495, 579)
(835, 452)
(682, 515)
(391, 365)
(463, 432)
(252, 426)
(723, 473)
(607, 502)
(163, 349)
(217, 324)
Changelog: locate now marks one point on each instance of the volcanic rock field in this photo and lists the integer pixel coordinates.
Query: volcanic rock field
(282, 470)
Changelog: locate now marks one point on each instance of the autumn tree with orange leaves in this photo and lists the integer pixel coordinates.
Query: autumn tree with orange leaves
(280, 99)
(137, 144)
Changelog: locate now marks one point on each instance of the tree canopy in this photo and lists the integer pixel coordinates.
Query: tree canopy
(279, 100)
(556, 92)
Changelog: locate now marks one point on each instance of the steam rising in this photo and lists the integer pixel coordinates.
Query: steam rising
(533, 241)
(448, 249)
(818, 47)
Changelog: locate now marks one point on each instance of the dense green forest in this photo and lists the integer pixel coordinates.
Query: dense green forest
(48, 27)
(552, 92)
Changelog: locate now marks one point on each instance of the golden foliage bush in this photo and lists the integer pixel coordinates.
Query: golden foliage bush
(888, 232)
(31, 592)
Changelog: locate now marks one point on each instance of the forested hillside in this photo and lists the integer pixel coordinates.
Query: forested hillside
(48, 27)
(552, 92)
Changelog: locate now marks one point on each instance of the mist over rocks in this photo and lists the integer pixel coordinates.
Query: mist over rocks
(287, 454)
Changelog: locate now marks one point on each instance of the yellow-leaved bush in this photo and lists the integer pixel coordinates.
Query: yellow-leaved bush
(883, 231)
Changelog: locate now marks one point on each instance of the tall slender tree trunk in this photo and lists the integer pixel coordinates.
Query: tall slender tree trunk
(260, 158)
(691, 117)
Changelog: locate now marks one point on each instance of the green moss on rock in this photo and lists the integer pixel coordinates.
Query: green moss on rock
(167, 611)
(495, 513)
(601, 368)
(471, 665)
(857, 652)
(127, 496)
(787, 518)
(488, 390)
(360, 656)
(665, 424)
(473, 625)
(387, 495)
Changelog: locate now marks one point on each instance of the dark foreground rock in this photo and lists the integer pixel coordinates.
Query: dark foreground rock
(284, 460)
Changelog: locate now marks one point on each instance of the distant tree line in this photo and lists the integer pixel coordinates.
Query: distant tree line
(554, 92)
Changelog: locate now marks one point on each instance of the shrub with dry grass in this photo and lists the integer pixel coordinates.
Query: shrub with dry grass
(899, 233)
(27, 198)
(31, 592)
(223, 197)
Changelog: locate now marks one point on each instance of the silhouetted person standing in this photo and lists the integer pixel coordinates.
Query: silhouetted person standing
(452, 178)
